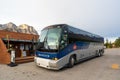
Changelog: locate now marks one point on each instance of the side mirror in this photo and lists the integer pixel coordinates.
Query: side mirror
(62, 42)
(64, 38)
(65, 32)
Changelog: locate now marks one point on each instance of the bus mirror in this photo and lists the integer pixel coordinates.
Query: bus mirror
(62, 42)
(65, 37)
(65, 32)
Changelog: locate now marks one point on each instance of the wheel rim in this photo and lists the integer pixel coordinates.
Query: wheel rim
(72, 61)
(99, 54)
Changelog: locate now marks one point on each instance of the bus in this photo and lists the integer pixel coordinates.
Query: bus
(62, 45)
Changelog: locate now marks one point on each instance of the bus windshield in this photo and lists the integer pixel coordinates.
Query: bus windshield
(50, 38)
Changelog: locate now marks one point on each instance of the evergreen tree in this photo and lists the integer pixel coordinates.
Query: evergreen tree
(106, 44)
(110, 45)
(117, 42)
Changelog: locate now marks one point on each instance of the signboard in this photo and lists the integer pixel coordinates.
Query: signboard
(13, 56)
(24, 53)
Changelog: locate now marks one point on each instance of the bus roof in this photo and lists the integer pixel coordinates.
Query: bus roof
(77, 33)
(54, 26)
(84, 35)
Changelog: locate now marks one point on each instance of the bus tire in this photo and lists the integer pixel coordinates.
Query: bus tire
(71, 61)
(102, 51)
(98, 53)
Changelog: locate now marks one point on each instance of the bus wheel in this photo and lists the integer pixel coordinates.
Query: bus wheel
(71, 62)
(102, 51)
(99, 54)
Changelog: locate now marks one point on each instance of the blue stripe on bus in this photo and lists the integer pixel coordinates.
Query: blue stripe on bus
(64, 52)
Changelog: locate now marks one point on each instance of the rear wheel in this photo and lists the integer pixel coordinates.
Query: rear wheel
(98, 53)
(71, 62)
(102, 51)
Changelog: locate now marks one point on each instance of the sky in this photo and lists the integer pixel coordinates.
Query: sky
(100, 17)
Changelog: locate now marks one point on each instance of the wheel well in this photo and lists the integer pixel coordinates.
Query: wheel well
(100, 51)
(74, 55)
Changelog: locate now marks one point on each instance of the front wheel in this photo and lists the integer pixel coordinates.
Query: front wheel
(71, 62)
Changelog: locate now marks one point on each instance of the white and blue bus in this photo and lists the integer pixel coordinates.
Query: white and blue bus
(62, 45)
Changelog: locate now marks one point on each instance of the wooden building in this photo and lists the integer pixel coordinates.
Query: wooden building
(23, 45)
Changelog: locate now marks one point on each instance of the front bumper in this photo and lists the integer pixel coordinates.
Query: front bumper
(47, 63)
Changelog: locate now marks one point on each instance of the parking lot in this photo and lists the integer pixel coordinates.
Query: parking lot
(94, 69)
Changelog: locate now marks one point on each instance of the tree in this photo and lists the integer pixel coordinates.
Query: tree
(106, 44)
(117, 42)
(110, 45)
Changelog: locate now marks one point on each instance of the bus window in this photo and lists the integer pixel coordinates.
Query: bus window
(64, 41)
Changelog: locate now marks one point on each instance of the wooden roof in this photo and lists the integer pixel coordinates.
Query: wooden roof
(17, 36)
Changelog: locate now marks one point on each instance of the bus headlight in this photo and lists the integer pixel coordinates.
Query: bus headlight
(55, 59)
(52, 64)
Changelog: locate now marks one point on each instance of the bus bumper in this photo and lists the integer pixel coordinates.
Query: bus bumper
(47, 63)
